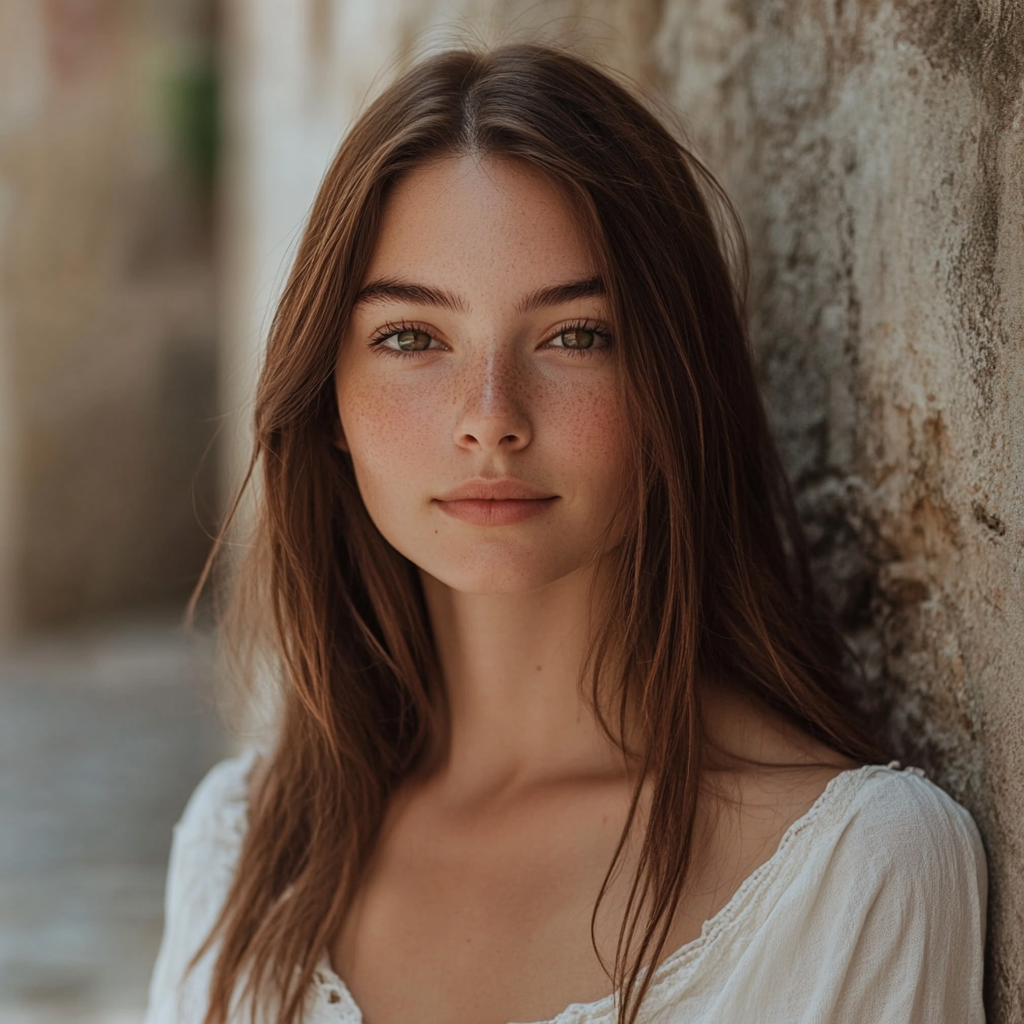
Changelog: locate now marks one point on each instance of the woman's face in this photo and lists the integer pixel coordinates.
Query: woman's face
(476, 384)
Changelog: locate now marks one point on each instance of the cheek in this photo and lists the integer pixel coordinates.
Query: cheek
(391, 432)
(587, 424)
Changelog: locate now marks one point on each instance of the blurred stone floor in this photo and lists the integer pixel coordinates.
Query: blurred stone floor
(103, 735)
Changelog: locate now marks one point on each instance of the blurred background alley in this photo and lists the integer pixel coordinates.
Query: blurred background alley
(108, 485)
(103, 734)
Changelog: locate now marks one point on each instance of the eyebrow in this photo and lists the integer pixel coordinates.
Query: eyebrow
(424, 295)
(404, 291)
(561, 293)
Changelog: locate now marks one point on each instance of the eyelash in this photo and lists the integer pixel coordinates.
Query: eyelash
(391, 329)
(584, 325)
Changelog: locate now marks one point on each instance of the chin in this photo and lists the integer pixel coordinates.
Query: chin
(496, 571)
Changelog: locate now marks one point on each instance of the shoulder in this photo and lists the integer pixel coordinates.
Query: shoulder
(878, 913)
(897, 823)
(904, 902)
(216, 814)
(881, 842)
(204, 854)
(902, 890)
(207, 843)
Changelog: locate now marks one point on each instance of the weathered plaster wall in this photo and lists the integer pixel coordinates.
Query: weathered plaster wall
(876, 152)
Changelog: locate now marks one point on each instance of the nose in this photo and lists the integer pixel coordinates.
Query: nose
(492, 414)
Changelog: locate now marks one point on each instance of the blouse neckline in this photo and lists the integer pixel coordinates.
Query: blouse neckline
(331, 988)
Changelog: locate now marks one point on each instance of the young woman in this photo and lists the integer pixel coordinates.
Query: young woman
(562, 734)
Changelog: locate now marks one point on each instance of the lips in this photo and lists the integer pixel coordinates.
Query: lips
(495, 502)
(506, 489)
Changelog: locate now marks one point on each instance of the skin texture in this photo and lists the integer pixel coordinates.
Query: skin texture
(477, 906)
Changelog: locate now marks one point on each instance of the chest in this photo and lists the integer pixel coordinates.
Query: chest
(484, 916)
(490, 921)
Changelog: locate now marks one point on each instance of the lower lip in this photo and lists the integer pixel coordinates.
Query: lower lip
(496, 513)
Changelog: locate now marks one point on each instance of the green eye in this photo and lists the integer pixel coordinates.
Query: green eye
(412, 341)
(578, 337)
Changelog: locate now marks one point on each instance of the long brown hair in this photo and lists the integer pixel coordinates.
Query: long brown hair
(710, 580)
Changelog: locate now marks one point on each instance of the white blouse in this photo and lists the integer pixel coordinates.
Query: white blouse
(871, 911)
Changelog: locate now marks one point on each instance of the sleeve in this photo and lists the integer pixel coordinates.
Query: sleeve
(893, 933)
(204, 852)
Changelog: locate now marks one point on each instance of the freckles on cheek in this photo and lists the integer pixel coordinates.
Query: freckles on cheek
(390, 430)
(591, 426)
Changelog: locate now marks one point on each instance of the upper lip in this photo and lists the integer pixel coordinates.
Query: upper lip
(506, 489)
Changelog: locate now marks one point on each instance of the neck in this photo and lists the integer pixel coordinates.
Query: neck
(520, 711)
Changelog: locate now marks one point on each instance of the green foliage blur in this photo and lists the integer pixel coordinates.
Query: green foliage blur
(193, 110)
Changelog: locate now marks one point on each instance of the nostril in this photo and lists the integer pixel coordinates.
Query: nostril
(490, 428)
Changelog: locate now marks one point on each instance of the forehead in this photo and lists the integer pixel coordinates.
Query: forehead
(481, 216)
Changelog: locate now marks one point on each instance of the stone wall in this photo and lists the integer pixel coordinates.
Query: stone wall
(875, 150)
